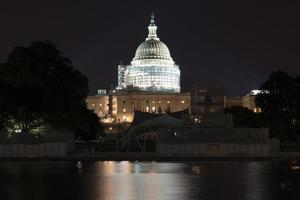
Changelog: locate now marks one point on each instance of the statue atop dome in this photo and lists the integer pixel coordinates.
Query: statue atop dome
(152, 19)
(152, 29)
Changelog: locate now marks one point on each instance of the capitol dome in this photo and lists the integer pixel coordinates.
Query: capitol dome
(152, 48)
(152, 69)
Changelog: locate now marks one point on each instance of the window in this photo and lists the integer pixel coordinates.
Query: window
(124, 110)
(257, 110)
(153, 108)
(168, 101)
(168, 110)
(159, 109)
(182, 101)
(147, 109)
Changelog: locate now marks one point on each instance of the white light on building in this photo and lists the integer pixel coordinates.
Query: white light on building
(153, 108)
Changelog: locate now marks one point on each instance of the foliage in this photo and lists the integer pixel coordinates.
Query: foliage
(244, 117)
(40, 87)
(88, 126)
(279, 102)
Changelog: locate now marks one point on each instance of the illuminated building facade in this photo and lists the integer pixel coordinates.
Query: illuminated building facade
(124, 103)
(152, 69)
(151, 83)
(247, 101)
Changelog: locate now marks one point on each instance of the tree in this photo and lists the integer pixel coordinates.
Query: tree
(244, 117)
(45, 91)
(88, 126)
(279, 103)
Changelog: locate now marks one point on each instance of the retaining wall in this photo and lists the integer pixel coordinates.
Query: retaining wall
(37, 150)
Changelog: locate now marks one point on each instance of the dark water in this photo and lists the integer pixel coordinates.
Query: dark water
(148, 180)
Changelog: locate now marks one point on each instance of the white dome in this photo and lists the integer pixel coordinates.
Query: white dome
(152, 49)
(152, 68)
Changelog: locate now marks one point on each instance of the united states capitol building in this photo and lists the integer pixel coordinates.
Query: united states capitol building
(150, 83)
(147, 108)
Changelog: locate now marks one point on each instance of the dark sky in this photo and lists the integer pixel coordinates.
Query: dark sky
(235, 42)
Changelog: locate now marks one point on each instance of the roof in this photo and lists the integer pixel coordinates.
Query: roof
(147, 122)
(140, 117)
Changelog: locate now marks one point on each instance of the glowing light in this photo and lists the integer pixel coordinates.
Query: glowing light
(256, 92)
(295, 167)
(257, 110)
(153, 108)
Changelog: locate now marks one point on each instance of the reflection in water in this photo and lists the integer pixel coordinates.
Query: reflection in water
(196, 169)
(255, 176)
(148, 180)
(126, 180)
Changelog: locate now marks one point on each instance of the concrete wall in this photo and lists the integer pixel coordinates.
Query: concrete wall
(201, 142)
(31, 151)
(198, 134)
(213, 150)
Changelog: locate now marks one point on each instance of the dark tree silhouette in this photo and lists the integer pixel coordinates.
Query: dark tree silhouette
(244, 117)
(41, 88)
(280, 105)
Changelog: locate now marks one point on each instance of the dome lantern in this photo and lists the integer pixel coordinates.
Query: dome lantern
(152, 29)
(152, 47)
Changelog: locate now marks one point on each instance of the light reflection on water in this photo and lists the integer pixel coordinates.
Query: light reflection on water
(110, 180)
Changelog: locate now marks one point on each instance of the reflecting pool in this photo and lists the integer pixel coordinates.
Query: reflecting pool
(110, 180)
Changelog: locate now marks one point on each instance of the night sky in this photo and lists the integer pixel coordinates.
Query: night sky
(236, 42)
